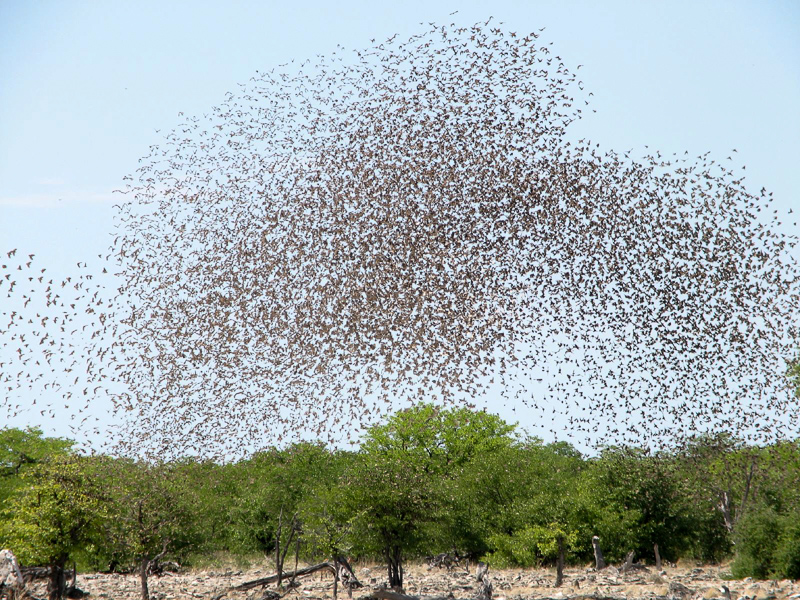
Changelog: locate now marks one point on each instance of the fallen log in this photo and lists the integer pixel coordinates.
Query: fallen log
(391, 595)
(33, 573)
(327, 565)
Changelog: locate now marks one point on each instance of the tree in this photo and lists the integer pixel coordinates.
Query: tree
(55, 516)
(530, 500)
(272, 486)
(20, 451)
(392, 498)
(649, 493)
(732, 473)
(152, 513)
(398, 487)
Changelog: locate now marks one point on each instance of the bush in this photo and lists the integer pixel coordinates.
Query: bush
(532, 546)
(787, 554)
(768, 545)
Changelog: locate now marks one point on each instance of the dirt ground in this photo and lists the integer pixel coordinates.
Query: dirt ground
(674, 583)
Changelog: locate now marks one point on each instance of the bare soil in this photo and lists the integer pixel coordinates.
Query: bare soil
(673, 583)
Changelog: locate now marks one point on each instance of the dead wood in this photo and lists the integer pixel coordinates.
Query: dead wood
(333, 566)
(599, 561)
(34, 573)
(383, 594)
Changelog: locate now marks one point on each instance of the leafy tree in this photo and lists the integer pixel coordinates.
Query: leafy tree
(401, 484)
(392, 498)
(649, 491)
(153, 514)
(327, 523)
(213, 489)
(22, 449)
(730, 479)
(54, 516)
(532, 502)
(726, 473)
(442, 439)
(532, 544)
(272, 486)
(767, 535)
(768, 545)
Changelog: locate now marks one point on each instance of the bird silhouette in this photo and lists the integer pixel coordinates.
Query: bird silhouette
(412, 221)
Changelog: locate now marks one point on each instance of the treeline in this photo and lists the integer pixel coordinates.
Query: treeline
(427, 480)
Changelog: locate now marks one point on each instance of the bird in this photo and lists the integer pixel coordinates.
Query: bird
(414, 220)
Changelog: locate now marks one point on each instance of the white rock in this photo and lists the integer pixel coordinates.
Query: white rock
(10, 575)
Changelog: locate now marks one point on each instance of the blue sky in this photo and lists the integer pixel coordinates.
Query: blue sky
(86, 87)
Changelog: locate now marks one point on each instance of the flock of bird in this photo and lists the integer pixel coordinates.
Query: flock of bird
(413, 222)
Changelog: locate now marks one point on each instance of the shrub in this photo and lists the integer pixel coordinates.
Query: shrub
(768, 545)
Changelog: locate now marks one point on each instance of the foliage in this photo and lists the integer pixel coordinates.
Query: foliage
(22, 449)
(538, 500)
(647, 489)
(275, 483)
(755, 556)
(327, 524)
(153, 512)
(54, 516)
(392, 498)
(426, 480)
(400, 486)
(531, 546)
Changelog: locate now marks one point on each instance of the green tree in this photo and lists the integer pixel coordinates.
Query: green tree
(768, 535)
(649, 495)
(529, 497)
(400, 486)
(20, 451)
(153, 514)
(272, 486)
(54, 516)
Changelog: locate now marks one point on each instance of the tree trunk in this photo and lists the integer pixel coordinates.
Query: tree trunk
(143, 567)
(628, 562)
(296, 560)
(394, 560)
(278, 563)
(344, 573)
(485, 588)
(725, 508)
(658, 557)
(599, 563)
(280, 554)
(56, 581)
(560, 563)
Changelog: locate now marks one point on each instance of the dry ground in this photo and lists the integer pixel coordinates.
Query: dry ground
(677, 583)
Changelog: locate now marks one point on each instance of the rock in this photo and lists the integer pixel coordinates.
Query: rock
(74, 593)
(10, 575)
(678, 590)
